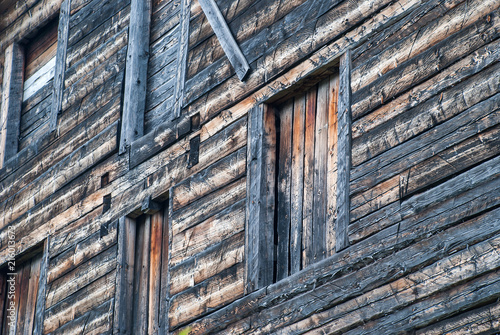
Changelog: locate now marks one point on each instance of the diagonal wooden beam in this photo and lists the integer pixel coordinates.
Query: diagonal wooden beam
(226, 39)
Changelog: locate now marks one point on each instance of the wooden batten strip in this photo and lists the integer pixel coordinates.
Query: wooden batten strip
(41, 294)
(259, 230)
(226, 39)
(344, 152)
(125, 276)
(182, 57)
(134, 100)
(12, 94)
(60, 67)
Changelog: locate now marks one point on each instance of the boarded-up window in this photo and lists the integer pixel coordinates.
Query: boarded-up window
(292, 180)
(19, 286)
(40, 58)
(144, 255)
(306, 176)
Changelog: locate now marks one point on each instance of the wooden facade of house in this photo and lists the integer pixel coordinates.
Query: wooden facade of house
(250, 167)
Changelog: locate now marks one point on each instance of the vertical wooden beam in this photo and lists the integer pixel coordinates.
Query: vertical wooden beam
(164, 283)
(331, 187)
(42, 284)
(307, 211)
(125, 276)
(283, 190)
(155, 272)
(297, 187)
(141, 277)
(182, 52)
(344, 152)
(60, 68)
(259, 231)
(320, 169)
(134, 101)
(12, 95)
(226, 39)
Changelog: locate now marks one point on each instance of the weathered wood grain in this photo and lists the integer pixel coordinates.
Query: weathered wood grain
(220, 174)
(62, 46)
(182, 57)
(419, 68)
(226, 39)
(207, 264)
(134, 100)
(297, 183)
(259, 226)
(344, 153)
(11, 102)
(125, 261)
(283, 184)
(221, 226)
(80, 302)
(307, 221)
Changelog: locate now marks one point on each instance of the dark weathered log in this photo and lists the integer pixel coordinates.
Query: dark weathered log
(12, 94)
(344, 153)
(259, 226)
(134, 100)
(194, 151)
(124, 276)
(62, 45)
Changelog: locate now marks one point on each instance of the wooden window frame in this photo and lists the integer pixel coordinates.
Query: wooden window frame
(39, 307)
(155, 218)
(13, 82)
(259, 232)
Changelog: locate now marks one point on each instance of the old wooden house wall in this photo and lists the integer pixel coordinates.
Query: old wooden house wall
(424, 184)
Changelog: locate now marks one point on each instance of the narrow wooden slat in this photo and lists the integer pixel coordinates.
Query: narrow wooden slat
(182, 57)
(62, 46)
(12, 94)
(134, 101)
(226, 39)
(42, 289)
(331, 179)
(283, 189)
(23, 278)
(155, 260)
(344, 152)
(31, 300)
(165, 273)
(125, 276)
(297, 183)
(141, 278)
(307, 222)
(320, 176)
(259, 230)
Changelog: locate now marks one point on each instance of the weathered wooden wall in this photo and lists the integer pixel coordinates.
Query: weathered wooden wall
(425, 178)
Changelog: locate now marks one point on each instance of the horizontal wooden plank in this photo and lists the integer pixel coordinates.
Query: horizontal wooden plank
(95, 39)
(79, 303)
(452, 75)
(220, 174)
(421, 67)
(427, 115)
(95, 321)
(194, 240)
(334, 292)
(207, 264)
(82, 252)
(204, 208)
(87, 272)
(206, 296)
(67, 169)
(424, 38)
